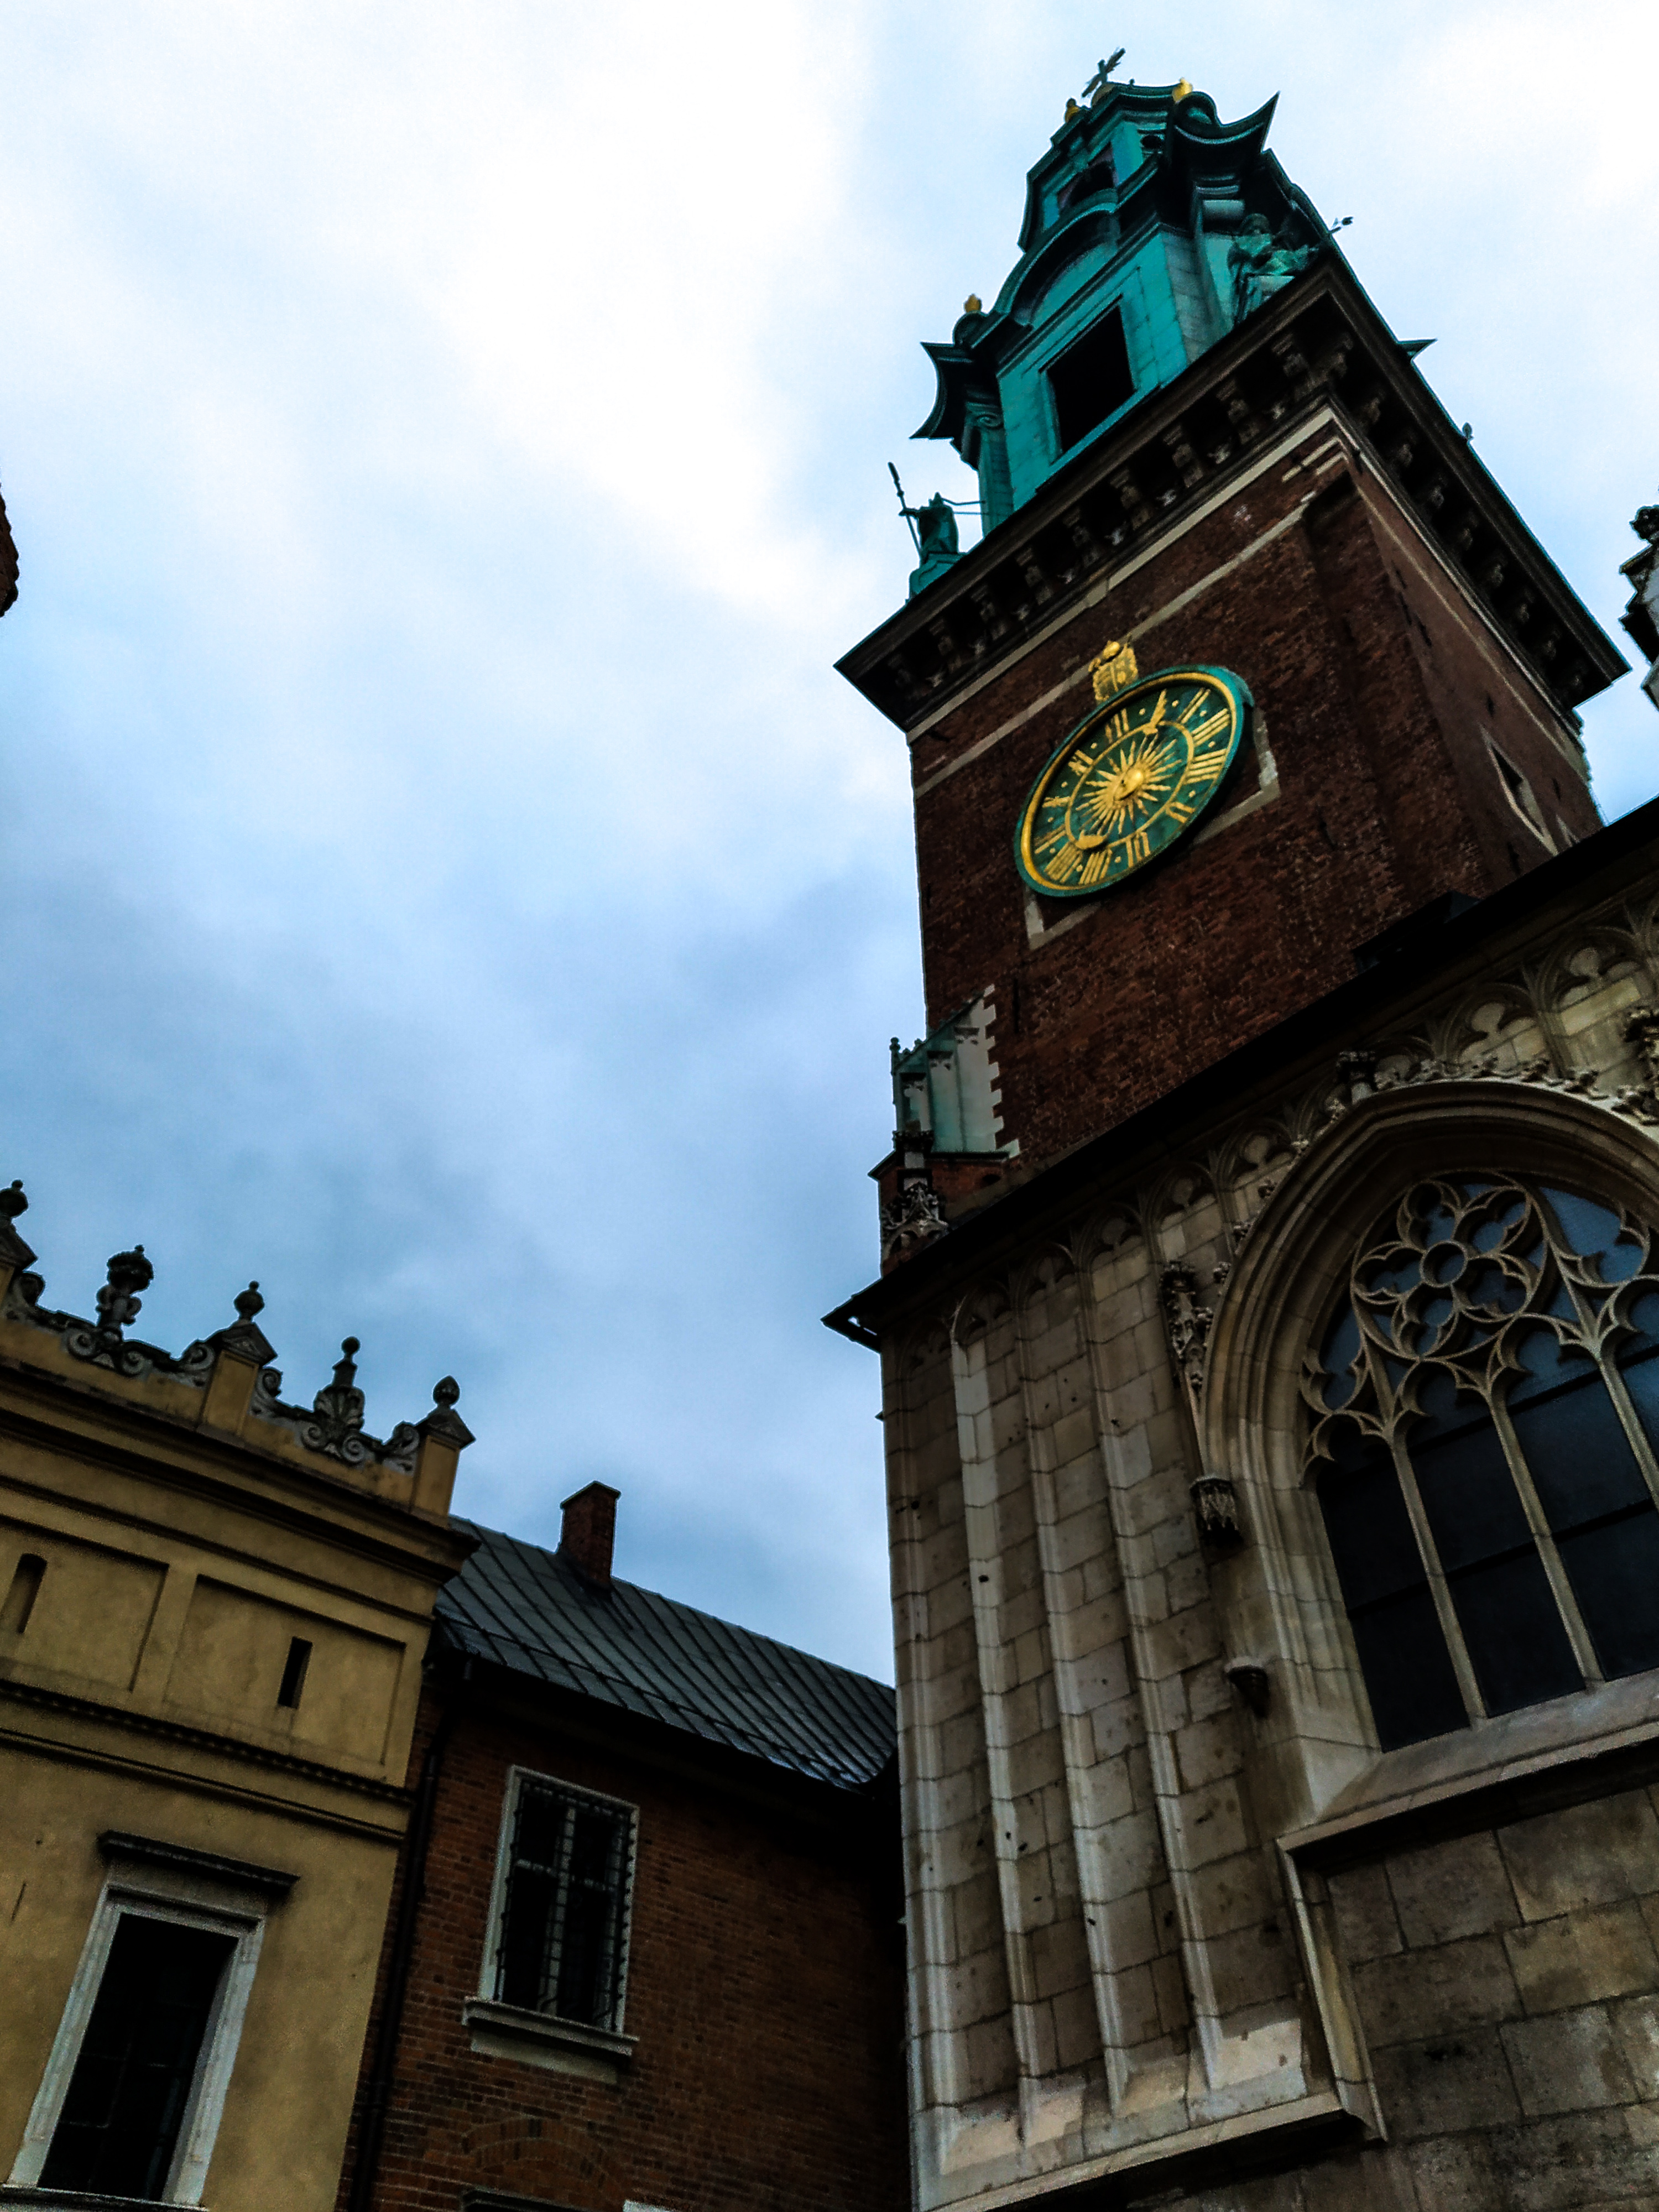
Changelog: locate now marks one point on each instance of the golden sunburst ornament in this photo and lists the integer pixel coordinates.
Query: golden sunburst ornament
(1133, 776)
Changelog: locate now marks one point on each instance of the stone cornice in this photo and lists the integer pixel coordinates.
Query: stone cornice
(135, 1720)
(321, 1508)
(1319, 341)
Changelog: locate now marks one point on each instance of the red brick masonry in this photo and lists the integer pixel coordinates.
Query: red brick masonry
(765, 1986)
(1381, 686)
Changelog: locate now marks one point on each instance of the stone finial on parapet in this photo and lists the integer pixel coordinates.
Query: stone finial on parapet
(338, 1408)
(236, 1354)
(423, 1453)
(103, 1342)
(118, 1302)
(444, 1436)
(228, 1383)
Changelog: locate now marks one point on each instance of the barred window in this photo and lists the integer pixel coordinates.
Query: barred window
(1486, 1403)
(562, 1944)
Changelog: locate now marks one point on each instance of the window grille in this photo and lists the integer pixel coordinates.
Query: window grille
(564, 1946)
(1485, 1404)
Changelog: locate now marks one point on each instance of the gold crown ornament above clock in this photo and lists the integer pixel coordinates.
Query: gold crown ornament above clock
(1135, 774)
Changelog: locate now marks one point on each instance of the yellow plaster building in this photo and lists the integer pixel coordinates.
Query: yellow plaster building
(213, 1609)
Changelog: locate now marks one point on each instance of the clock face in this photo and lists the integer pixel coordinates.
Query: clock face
(1129, 780)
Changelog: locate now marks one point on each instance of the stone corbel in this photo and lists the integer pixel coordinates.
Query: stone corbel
(1332, 365)
(951, 656)
(1187, 1321)
(903, 678)
(1215, 1510)
(1356, 1073)
(1089, 547)
(1253, 1682)
(1136, 506)
(1293, 363)
(1245, 423)
(1030, 569)
(984, 605)
(1189, 467)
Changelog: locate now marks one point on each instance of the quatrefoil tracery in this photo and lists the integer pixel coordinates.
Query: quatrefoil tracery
(1467, 1281)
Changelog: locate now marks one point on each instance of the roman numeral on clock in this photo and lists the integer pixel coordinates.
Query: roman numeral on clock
(1207, 730)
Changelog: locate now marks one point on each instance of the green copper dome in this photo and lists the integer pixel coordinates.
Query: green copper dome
(1150, 228)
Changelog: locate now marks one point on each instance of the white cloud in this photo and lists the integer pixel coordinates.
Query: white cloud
(445, 877)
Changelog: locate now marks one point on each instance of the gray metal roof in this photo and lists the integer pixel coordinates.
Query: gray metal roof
(529, 1610)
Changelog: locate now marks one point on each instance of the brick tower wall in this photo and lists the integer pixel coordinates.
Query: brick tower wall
(1380, 690)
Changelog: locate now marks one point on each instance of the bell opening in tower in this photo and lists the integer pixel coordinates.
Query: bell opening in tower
(1090, 381)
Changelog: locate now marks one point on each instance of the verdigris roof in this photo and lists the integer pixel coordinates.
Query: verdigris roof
(528, 1610)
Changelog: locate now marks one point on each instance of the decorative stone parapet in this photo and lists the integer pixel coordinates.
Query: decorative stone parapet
(225, 1383)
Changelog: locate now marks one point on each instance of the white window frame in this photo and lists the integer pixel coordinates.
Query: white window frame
(188, 1899)
(539, 2039)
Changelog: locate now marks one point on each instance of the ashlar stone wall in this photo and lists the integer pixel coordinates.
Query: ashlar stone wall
(1506, 1980)
(1172, 1914)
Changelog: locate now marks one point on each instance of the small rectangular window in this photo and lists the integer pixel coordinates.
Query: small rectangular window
(1092, 379)
(563, 1943)
(294, 1674)
(27, 1578)
(119, 2128)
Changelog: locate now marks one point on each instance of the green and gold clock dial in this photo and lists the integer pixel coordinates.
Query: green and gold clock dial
(1133, 777)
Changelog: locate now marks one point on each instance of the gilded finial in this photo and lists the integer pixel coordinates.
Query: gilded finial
(972, 304)
(1113, 670)
(1183, 91)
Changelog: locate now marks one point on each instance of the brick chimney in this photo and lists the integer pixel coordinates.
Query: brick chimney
(588, 1532)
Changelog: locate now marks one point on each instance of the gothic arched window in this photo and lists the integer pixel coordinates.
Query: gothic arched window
(1485, 1414)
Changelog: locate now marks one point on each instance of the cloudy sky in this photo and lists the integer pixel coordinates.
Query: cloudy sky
(440, 872)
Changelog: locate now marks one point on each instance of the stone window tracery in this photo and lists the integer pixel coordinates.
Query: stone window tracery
(1486, 1412)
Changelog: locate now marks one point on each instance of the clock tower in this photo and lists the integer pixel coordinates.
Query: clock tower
(1270, 1228)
